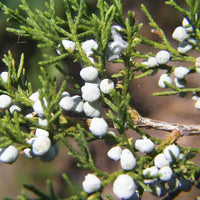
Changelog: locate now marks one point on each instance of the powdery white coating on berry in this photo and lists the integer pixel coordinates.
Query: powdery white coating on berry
(158, 189)
(4, 76)
(166, 173)
(41, 145)
(68, 45)
(91, 109)
(187, 25)
(98, 127)
(184, 47)
(114, 153)
(90, 93)
(42, 121)
(28, 153)
(115, 32)
(160, 161)
(127, 160)
(106, 85)
(88, 45)
(35, 96)
(197, 62)
(152, 62)
(124, 187)
(163, 57)
(91, 183)
(144, 145)
(164, 78)
(192, 41)
(115, 49)
(197, 104)
(41, 132)
(94, 83)
(181, 72)
(152, 171)
(9, 154)
(171, 149)
(67, 103)
(180, 34)
(180, 83)
(5, 101)
(37, 107)
(65, 94)
(14, 107)
(89, 74)
(51, 154)
(78, 107)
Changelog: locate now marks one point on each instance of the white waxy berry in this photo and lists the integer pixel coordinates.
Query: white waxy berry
(197, 104)
(180, 34)
(65, 94)
(144, 145)
(90, 93)
(42, 121)
(91, 109)
(67, 103)
(28, 153)
(68, 45)
(41, 145)
(41, 132)
(152, 171)
(4, 76)
(9, 154)
(163, 57)
(98, 127)
(50, 154)
(5, 101)
(78, 107)
(115, 32)
(37, 107)
(124, 187)
(166, 173)
(115, 49)
(152, 62)
(192, 41)
(184, 47)
(35, 96)
(114, 153)
(127, 160)
(106, 85)
(14, 107)
(88, 46)
(171, 149)
(91, 183)
(187, 25)
(160, 161)
(89, 74)
(180, 83)
(164, 78)
(181, 72)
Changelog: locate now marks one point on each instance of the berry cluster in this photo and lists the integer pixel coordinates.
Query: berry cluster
(185, 36)
(155, 177)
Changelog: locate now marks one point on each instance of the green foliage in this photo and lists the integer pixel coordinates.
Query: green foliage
(79, 25)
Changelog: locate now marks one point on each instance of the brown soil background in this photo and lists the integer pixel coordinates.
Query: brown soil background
(170, 109)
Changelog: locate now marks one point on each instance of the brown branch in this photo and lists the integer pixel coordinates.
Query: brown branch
(186, 130)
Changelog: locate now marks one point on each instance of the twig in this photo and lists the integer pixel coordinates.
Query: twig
(186, 130)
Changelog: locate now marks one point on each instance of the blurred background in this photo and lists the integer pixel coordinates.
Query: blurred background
(171, 109)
